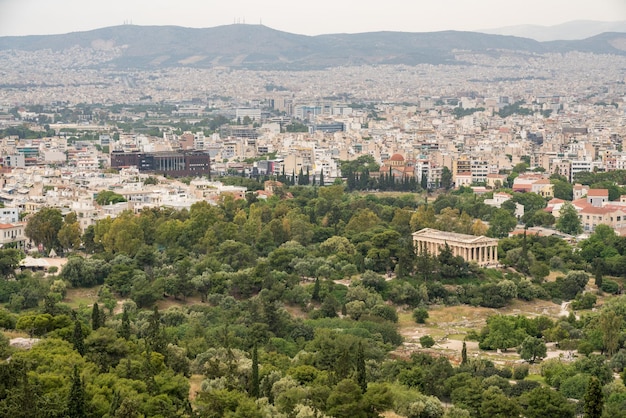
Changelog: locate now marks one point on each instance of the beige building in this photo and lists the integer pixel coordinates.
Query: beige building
(12, 234)
(478, 249)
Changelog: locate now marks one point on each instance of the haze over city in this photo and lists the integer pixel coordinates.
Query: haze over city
(31, 17)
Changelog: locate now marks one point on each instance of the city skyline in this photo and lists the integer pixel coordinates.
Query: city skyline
(324, 17)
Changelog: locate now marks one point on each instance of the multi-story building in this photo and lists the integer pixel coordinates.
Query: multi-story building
(12, 235)
(175, 164)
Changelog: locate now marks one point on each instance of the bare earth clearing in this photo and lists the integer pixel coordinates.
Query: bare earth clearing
(449, 326)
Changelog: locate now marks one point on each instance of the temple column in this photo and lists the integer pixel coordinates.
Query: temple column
(496, 254)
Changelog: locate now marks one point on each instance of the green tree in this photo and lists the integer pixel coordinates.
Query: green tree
(9, 261)
(501, 333)
(76, 404)
(610, 326)
(532, 348)
(96, 317)
(563, 189)
(427, 341)
(464, 354)
(420, 315)
(502, 222)
(544, 402)
(125, 326)
(496, 404)
(568, 221)
(43, 228)
(361, 376)
(70, 232)
(593, 400)
(124, 235)
(254, 381)
(107, 197)
(78, 338)
(344, 400)
(446, 178)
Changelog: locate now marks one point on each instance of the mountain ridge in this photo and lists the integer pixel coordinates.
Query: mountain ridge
(572, 30)
(261, 47)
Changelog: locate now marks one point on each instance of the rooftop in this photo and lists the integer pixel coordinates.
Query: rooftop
(452, 236)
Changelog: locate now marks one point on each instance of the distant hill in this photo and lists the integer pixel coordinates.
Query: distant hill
(260, 47)
(577, 29)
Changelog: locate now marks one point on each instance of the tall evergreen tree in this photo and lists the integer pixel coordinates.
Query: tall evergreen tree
(361, 376)
(593, 400)
(96, 321)
(125, 328)
(464, 354)
(316, 290)
(301, 177)
(78, 339)
(76, 407)
(155, 337)
(321, 177)
(254, 382)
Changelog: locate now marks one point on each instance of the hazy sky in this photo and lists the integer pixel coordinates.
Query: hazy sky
(31, 17)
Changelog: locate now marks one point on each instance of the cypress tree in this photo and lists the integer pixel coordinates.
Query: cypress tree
(424, 182)
(125, 329)
(78, 339)
(301, 177)
(95, 317)
(254, 384)
(76, 401)
(361, 376)
(321, 177)
(316, 290)
(154, 335)
(464, 354)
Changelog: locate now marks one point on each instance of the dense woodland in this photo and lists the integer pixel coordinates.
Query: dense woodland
(289, 307)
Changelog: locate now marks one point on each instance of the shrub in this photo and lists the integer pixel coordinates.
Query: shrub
(584, 301)
(427, 341)
(420, 315)
(386, 312)
(609, 286)
(520, 371)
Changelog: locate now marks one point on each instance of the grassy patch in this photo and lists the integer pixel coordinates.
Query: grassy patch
(81, 296)
(536, 378)
(12, 333)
